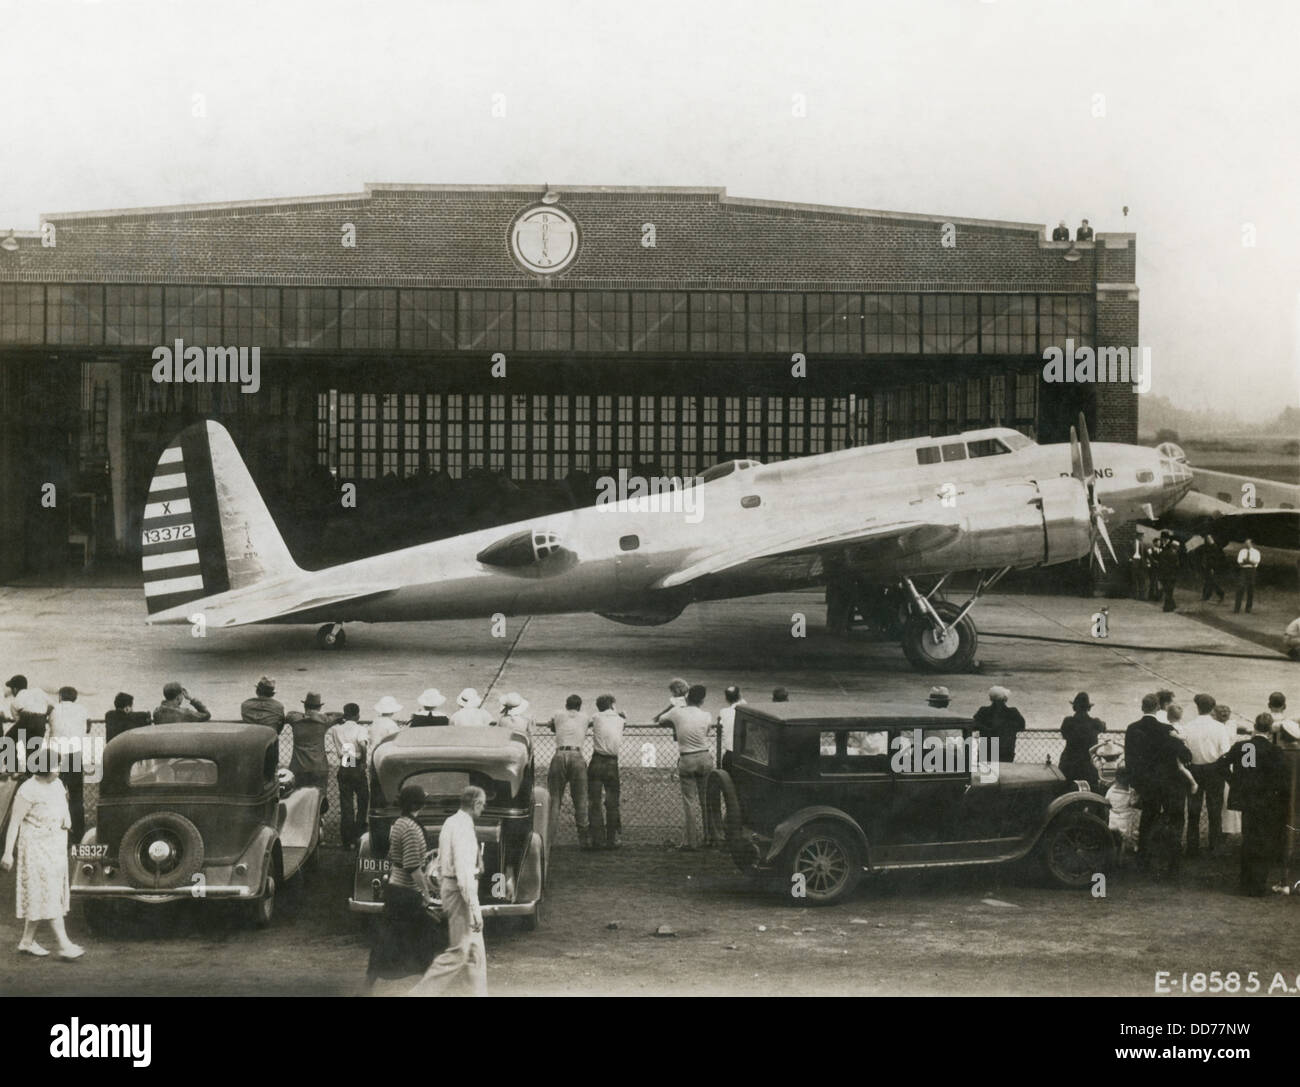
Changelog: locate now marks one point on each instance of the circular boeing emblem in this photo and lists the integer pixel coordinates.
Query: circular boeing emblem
(544, 239)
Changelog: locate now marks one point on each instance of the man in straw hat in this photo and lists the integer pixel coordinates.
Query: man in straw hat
(383, 726)
(429, 701)
(471, 710)
(514, 713)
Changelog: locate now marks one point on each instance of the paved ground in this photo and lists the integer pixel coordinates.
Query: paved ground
(975, 931)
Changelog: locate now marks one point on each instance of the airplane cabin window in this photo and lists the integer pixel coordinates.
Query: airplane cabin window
(1146, 476)
(750, 501)
(629, 543)
(928, 454)
(987, 447)
(954, 451)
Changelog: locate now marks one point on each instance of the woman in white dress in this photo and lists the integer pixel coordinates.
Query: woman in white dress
(38, 825)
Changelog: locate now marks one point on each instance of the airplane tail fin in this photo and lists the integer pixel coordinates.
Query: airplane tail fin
(206, 529)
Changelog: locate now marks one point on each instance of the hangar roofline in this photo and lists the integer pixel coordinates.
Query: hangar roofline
(718, 193)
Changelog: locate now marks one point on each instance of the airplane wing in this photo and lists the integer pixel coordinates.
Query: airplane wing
(1270, 528)
(905, 535)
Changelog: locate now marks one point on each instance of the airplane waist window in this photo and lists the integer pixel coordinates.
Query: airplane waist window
(954, 451)
(928, 454)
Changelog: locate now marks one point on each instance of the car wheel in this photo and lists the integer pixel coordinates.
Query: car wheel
(824, 864)
(533, 921)
(161, 851)
(1076, 848)
(955, 652)
(262, 911)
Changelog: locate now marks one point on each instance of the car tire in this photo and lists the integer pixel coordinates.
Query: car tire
(262, 912)
(924, 655)
(178, 833)
(828, 858)
(533, 921)
(1075, 848)
(99, 917)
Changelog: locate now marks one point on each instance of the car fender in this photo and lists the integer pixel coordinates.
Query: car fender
(787, 828)
(259, 855)
(530, 884)
(542, 823)
(1072, 802)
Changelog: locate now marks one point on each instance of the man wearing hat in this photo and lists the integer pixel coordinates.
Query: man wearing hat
(263, 708)
(383, 726)
(1082, 731)
(429, 701)
(308, 763)
(1001, 722)
(471, 711)
(514, 713)
(178, 705)
(1258, 787)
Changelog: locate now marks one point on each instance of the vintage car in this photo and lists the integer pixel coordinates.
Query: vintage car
(513, 831)
(195, 811)
(821, 793)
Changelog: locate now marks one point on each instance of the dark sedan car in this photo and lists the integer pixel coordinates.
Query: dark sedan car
(194, 811)
(825, 792)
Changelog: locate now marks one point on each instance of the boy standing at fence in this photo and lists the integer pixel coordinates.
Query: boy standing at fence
(602, 773)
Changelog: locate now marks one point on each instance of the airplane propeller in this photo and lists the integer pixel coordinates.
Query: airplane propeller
(1083, 469)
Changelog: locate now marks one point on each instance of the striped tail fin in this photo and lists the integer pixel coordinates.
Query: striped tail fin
(206, 529)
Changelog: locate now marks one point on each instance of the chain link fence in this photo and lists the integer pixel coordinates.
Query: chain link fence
(651, 796)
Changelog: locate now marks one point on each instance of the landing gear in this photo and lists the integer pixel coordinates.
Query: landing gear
(939, 636)
(331, 636)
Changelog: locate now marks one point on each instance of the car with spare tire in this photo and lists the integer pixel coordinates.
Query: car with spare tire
(195, 811)
(823, 793)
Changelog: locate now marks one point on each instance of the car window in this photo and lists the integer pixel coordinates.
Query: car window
(173, 771)
(440, 783)
(754, 742)
(942, 750)
(851, 751)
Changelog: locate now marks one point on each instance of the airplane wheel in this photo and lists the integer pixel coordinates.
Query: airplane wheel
(327, 639)
(955, 652)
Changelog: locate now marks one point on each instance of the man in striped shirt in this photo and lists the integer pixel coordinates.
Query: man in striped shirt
(458, 868)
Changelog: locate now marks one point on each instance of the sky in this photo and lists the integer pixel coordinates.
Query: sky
(1186, 112)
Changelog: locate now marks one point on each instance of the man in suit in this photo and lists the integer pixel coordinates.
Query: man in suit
(1152, 752)
(1169, 562)
(1084, 233)
(1212, 565)
(1258, 787)
(1061, 233)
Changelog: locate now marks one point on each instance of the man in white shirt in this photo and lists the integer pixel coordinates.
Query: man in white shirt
(602, 774)
(458, 868)
(727, 722)
(345, 746)
(690, 725)
(471, 711)
(1291, 638)
(1247, 564)
(1208, 740)
(67, 729)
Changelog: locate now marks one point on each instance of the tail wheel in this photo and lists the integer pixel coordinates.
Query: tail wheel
(825, 864)
(954, 652)
(1076, 848)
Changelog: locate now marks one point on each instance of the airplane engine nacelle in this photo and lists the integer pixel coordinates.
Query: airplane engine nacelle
(533, 552)
(1067, 527)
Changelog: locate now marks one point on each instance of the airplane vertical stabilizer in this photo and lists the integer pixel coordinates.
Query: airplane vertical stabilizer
(206, 529)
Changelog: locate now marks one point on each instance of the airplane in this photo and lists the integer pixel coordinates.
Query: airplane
(988, 500)
(1233, 508)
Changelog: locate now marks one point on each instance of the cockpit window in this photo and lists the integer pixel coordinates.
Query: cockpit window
(1017, 440)
(726, 467)
(987, 447)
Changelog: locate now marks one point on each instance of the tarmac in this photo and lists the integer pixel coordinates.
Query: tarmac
(1041, 647)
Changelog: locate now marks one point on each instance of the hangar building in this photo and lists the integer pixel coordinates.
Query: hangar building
(432, 334)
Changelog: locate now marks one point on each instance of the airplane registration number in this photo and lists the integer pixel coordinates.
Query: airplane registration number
(167, 535)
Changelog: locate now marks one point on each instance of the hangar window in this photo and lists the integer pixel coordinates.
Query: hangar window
(954, 451)
(717, 321)
(74, 314)
(367, 318)
(659, 321)
(251, 316)
(629, 543)
(892, 323)
(543, 321)
(487, 319)
(1146, 476)
(834, 323)
(132, 315)
(193, 314)
(928, 454)
(950, 323)
(987, 447)
(428, 319)
(310, 316)
(1062, 317)
(600, 321)
(775, 322)
(1009, 324)
(22, 313)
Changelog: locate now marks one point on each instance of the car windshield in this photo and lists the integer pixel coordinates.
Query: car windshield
(173, 771)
